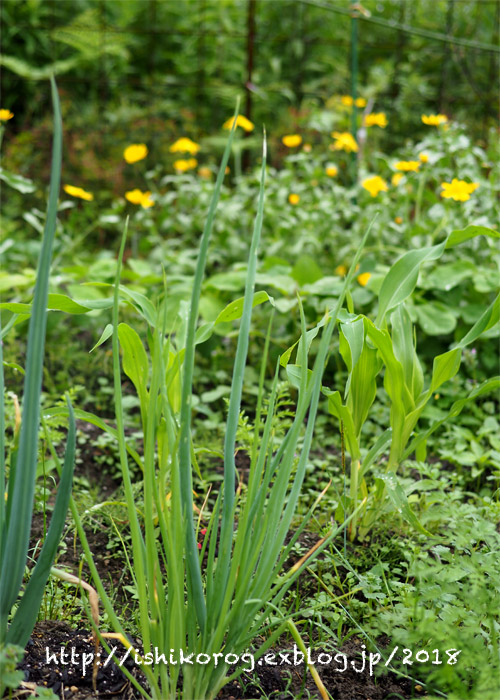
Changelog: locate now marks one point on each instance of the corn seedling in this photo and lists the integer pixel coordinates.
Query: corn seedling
(389, 343)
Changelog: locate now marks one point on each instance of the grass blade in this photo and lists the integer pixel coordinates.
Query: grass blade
(18, 529)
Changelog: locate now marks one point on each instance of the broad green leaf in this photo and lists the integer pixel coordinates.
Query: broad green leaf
(16, 281)
(401, 279)
(354, 335)
(285, 357)
(234, 310)
(400, 502)
(135, 360)
(306, 271)
(309, 336)
(446, 277)
(61, 302)
(489, 318)
(326, 286)
(394, 380)
(140, 302)
(283, 283)
(107, 333)
(445, 367)
(204, 332)
(17, 182)
(363, 386)
(30, 72)
(337, 409)
(404, 350)
(227, 281)
(435, 318)
(294, 374)
(461, 235)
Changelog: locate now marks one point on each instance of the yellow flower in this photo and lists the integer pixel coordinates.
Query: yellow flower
(185, 145)
(292, 140)
(376, 119)
(424, 157)
(242, 121)
(396, 179)
(205, 173)
(78, 192)
(294, 199)
(398, 220)
(434, 119)
(347, 101)
(183, 165)
(459, 190)
(344, 141)
(147, 201)
(5, 115)
(341, 270)
(374, 185)
(138, 197)
(135, 152)
(332, 170)
(363, 278)
(408, 165)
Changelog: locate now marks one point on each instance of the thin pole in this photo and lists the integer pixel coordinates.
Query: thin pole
(354, 86)
(250, 58)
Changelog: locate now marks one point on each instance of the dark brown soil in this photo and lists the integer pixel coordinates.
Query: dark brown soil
(67, 680)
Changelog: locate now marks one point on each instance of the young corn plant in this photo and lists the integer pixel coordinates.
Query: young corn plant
(389, 343)
(208, 606)
(18, 474)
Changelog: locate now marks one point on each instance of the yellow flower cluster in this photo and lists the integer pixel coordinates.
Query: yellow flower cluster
(434, 119)
(408, 165)
(78, 192)
(185, 145)
(332, 170)
(5, 115)
(347, 101)
(138, 197)
(344, 141)
(459, 190)
(294, 198)
(376, 119)
(182, 165)
(242, 121)
(135, 152)
(292, 140)
(374, 185)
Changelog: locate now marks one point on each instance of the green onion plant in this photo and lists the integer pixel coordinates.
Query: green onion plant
(18, 474)
(216, 602)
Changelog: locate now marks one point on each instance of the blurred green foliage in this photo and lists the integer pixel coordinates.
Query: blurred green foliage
(187, 60)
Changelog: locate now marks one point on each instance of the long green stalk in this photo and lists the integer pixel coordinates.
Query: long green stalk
(16, 517)
(186, 483)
